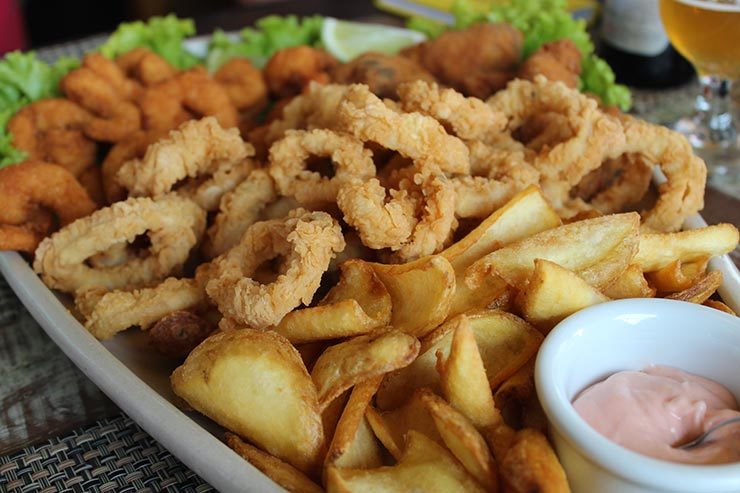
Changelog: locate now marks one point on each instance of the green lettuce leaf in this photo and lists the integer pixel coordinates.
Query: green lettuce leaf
(162, 35)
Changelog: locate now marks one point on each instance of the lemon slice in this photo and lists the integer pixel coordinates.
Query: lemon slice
(346, 40)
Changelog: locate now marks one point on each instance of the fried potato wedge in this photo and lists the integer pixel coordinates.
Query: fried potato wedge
(514, 392)
(463, 377)
(421, 292)
(359, 282)
(553, 293)
(359, 359)
(531, 465)
(598, 250)
(332, 413)
(677, 275)
(463, 440)
(344, 318)
(701, 290)
(282, 473)
(718, 305)
(354, 443)
(657, 250)
(254, 384)
(391, 427)
(425, 466)
(505, 342)
(630, 284)
(500, 439)
(527, 213)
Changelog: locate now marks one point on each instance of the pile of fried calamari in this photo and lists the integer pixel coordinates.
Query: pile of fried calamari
(357, 290)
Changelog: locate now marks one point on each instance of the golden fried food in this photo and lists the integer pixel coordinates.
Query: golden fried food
(190, 94)
(477, 61)
(173, 225)
(557, 61)
(91, 180)
(145, 66)
(416, 136)
(380, 72)
(26, 188)
(176, 334)
(290, 70)
(198, 148)
(307, 240)
(132, 147)
(623, 183)
(243, 83)
(467, 118)
(51, 130)
(114, 77)
(289, 165)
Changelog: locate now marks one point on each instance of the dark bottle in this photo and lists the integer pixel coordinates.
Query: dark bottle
(636, 47)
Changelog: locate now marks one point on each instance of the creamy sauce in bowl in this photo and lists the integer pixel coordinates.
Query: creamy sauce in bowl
(655, 410)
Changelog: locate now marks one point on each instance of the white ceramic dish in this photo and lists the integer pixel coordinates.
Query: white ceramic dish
(629, 335)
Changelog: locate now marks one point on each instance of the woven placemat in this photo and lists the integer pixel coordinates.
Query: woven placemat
(111, 455)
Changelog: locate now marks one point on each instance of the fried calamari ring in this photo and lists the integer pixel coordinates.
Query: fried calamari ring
(467, 118)
(562, 164)
(289, 164)
(628, 183)
(115, 117)
(132, 147)
(110, 312)
(190, 94)
(173, 224)
(307, 240)
(51, 130)
(198, 148)
(30, 188)
(416, 136)
(239, 209)
(498, 176)
(243, 83)
(414, 220)
(683, 192)
(145, 66)
(289, 70)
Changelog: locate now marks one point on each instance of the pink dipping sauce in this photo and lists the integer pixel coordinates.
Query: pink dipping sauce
(652, 410)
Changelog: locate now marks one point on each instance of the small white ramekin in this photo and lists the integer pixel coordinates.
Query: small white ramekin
(629, 335)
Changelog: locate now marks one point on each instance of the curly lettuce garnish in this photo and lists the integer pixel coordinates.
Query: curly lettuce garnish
(542, 21)
(162, 35)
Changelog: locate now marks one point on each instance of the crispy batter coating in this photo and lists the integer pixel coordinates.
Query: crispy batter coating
(32, 189)
(556, 60)
(290, 70)
(416, 136)
(467, 118)
(476, 61)
(173, 224)
(51, 130)
(198, 148)
(243, 83)
(289, 165)
(132, 147)
(145, 66)
(307, 240)
(380, 72)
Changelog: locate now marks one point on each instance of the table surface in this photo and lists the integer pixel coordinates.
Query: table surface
(42, 394)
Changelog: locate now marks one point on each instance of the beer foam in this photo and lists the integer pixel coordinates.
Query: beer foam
(733, 6)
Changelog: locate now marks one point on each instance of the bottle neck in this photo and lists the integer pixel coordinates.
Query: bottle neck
(634, 26)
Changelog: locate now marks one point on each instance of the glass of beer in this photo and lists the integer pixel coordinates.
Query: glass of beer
(707, 33)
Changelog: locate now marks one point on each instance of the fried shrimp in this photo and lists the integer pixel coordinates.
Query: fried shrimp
(31, 192)
(414, 220)
(173, 225)
(190, 94)
(562, 164)
(239, 209)
(557, 61)
(418, 137)
(145, 66)
(114, 116)
(289, 70)
(51, 130)
(243, 83)
(198, 148)
(307, 240)
(467, 118)
(110, 312)
(289, 164)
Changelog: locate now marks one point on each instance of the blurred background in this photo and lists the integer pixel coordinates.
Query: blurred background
(26, 24)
